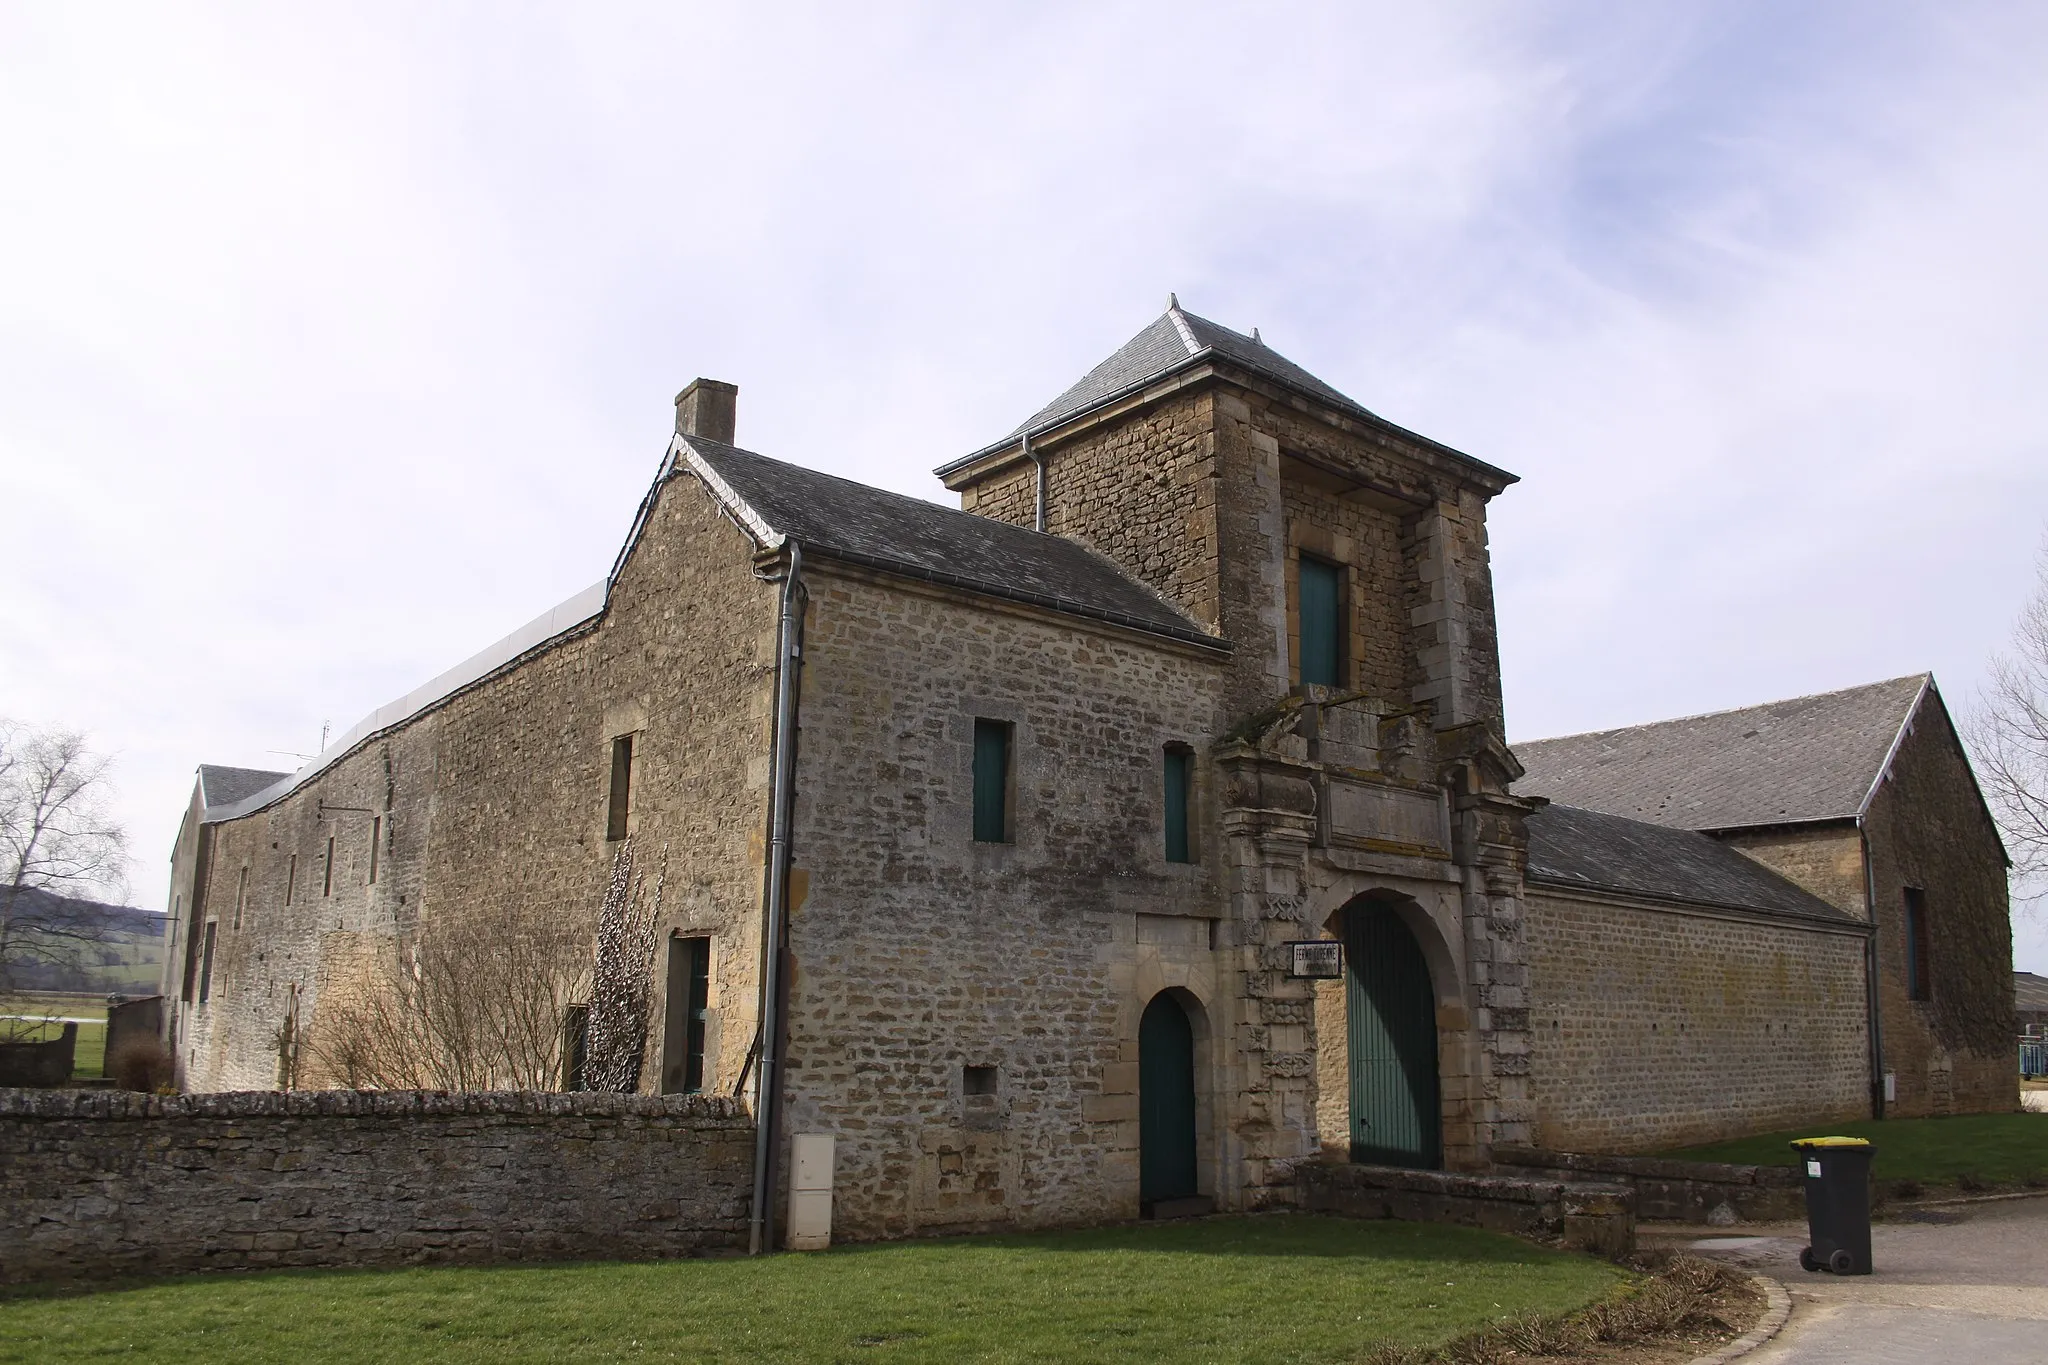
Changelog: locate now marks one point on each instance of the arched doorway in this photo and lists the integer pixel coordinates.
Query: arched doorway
(1390, 1010)
(1166, 1102)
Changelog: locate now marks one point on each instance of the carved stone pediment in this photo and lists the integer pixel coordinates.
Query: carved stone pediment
(1362, 771)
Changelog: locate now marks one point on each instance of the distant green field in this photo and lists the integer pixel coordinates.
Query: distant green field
(1999, 1149)
(90, 1059)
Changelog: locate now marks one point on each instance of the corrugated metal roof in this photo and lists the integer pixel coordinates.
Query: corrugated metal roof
(1785, 762)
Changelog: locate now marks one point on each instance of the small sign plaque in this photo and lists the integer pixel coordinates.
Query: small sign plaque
(1323, 958)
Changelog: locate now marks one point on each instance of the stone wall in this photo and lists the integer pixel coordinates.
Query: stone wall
(919, 952)
(1143, 493)
(1583, 1215)
(46, 1063)
(1825, 859)
(1678, 1191)
(1656, 1027)
(1927, 827)
(106, 1183)
(493, 804)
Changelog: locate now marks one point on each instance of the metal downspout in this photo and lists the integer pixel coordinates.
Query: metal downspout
(1870, 978)
(1038, 522)
(775, 929)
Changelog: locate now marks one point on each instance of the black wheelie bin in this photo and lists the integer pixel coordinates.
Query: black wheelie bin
(1837, 1204)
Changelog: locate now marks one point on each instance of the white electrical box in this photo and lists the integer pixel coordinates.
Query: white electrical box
(810, 1192)
(1891, 1087)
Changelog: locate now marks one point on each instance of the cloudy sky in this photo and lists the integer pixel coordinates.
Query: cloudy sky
(336, 343)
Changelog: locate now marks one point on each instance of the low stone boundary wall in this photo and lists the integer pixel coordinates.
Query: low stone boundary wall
(107, 1183)
(48, 1063)
(1599, 1218)
(1679, 1191)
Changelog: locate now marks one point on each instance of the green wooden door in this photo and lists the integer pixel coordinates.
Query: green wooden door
(1166, 1102)
(1395, 1113)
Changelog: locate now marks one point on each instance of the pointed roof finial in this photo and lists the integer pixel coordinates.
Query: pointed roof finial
(1173, 303)
(1256, 337)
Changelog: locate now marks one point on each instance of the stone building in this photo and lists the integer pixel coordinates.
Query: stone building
(1131, 834)
(1866, 800)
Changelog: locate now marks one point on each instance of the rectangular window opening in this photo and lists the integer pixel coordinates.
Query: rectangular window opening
(291, 877)
(689, 1002)
(1180, 769)
(1919, 985)
(327, 871)
(1178, 799)
(376, 837)
(575, 1046)
(978, 1080)
(206, 963)
(992, 781)
(241, 895)
(1320, 604)
(621, 805)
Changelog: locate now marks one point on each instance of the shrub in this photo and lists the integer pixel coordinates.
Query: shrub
(143, 1064)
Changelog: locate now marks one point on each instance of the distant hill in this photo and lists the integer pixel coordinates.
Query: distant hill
(127, 957)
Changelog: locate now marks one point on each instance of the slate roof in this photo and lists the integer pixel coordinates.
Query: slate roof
(849, 521)
(1175, 340)
(2030, 992)
(1583, 848)
(1786, 762)
(222, 786)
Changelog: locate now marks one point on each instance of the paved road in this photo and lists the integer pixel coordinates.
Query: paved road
(1956, 1286)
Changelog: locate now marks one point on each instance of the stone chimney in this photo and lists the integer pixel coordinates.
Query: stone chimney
(708, 408)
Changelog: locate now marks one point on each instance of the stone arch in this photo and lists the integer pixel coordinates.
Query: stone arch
(1435, 929)
(1185, 988)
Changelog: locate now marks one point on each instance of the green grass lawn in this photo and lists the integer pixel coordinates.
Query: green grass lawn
(90, 1058)
(1998, 1149)
(1281, 1287)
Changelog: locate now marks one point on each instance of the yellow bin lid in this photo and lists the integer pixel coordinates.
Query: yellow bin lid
(1831, 1142)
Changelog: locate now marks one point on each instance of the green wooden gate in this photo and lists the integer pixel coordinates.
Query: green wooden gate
(1395, 1112)
(1166, 1102)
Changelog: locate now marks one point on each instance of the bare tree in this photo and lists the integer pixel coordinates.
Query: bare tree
(2010, 735)
(58, 844)
(475, 1002)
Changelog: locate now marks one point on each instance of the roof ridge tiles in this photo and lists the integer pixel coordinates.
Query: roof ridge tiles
(1725, 711)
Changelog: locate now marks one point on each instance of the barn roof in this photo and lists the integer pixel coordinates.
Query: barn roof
(1785, 762)
(1570, 847)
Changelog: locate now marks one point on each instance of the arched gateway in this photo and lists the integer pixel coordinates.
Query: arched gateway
(1390, 1010)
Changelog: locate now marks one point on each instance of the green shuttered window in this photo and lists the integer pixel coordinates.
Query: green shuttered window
(1179, 774)
(991, 781)
(1322, 623)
